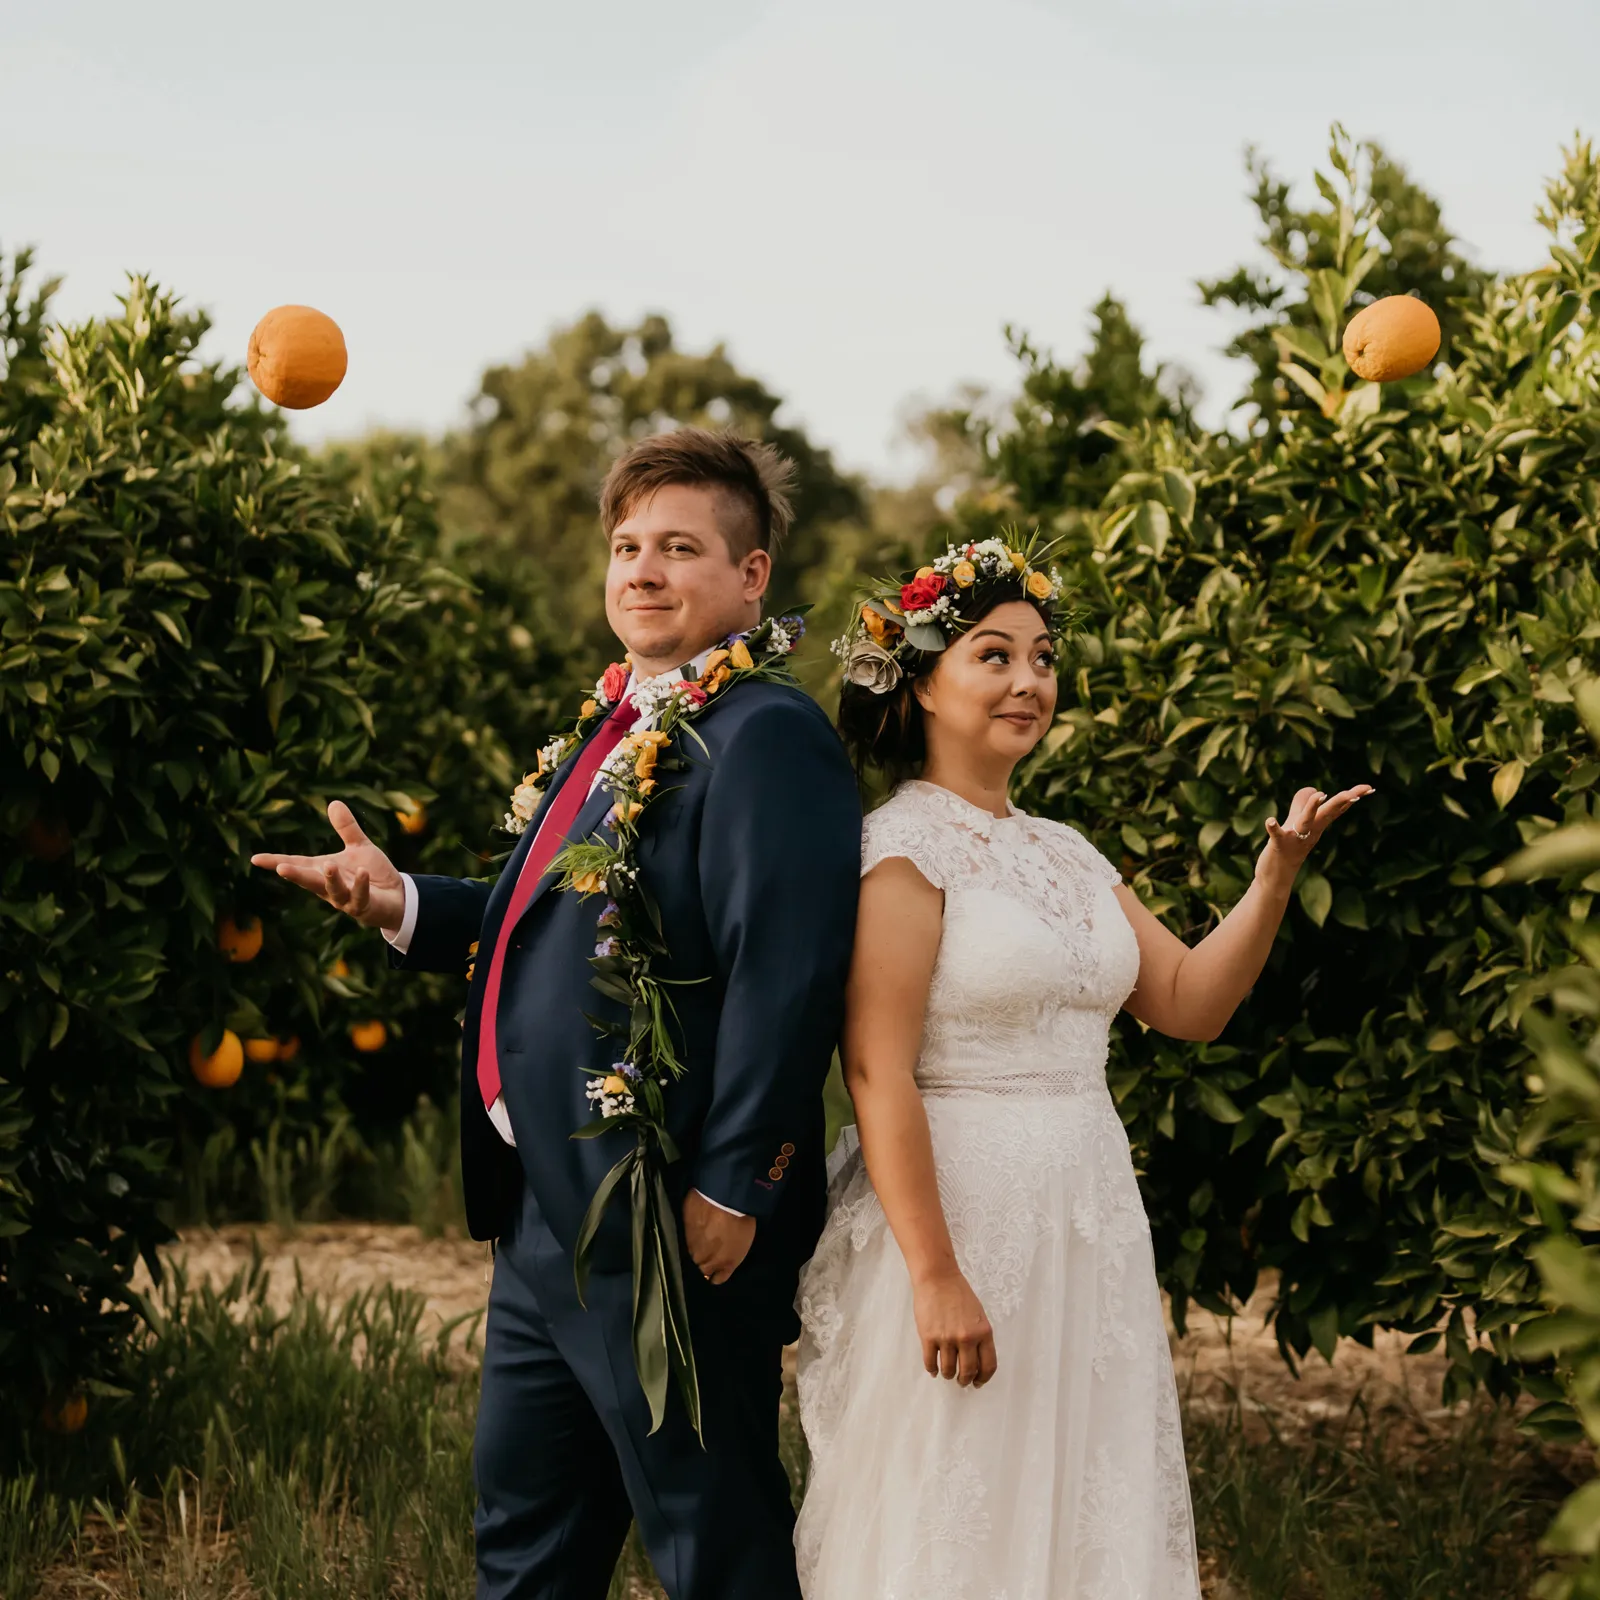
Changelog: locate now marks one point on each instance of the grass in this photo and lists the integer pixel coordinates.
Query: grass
(326, 1452)
(1370, 1509)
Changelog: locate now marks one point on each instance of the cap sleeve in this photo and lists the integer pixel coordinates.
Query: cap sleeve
(897, 830)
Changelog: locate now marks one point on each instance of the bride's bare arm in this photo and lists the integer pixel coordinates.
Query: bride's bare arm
(1191, 994)
(897, 941)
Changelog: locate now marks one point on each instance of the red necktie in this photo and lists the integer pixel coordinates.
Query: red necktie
(552, 835)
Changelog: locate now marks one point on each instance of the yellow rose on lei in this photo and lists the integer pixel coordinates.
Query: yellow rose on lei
(1018, 560)
(964, 573)
(588, 883)
(1038, 585)
(740, 655)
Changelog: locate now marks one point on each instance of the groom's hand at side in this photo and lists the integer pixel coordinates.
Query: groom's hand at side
(718, 1241)
(359, 880)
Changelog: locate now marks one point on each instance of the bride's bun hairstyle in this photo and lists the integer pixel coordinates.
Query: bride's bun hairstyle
(901, 628)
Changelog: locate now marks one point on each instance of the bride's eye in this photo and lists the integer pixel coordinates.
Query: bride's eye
(995, 653)
(1047, 658)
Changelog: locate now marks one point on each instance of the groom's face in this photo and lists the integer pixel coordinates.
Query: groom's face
(674, 585)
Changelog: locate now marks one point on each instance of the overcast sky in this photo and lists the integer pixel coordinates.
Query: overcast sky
(855, 195)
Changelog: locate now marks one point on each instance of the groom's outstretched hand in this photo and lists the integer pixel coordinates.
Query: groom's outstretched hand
(718, 1241)
(359, 880)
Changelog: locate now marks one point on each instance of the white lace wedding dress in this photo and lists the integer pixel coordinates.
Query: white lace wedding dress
(1063, 1478)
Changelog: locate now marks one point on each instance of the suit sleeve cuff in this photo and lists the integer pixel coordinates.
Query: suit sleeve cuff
(400, 940)
(719, 1205)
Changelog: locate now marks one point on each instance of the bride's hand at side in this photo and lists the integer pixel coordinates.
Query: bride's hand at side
(957, 1341)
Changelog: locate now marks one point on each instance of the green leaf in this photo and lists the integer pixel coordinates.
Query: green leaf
(1216, 1102)
(1316, 896)
(1507, 780)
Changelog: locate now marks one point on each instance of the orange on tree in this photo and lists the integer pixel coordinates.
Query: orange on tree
(1394, 338)
(240, 941)
(297, 357)
(47, 838)
(414, 820)
(68, 1416)
(220, 1069)
(289, 1048)
(262, 1050)
(339, 969)
(368, 1036)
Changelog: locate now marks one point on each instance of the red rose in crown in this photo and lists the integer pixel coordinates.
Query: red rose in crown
(921, 593)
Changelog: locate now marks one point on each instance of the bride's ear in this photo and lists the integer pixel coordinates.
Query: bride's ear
(922, 689)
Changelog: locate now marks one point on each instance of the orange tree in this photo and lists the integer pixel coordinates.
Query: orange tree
(1399, 588)
(203, 638)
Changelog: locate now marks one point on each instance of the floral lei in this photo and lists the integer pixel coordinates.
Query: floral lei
(631, 940)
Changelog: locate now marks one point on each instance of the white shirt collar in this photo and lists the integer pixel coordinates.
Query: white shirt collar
(693, 668)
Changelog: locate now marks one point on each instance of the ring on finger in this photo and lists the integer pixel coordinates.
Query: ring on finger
(1301, 833)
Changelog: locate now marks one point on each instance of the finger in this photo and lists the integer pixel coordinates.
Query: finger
(359, 895)
(304, 875)
(1304, 810)
(930, 1357)
(272, 861)
(949, 1358)
(334, 884)
(988, 1361)
(345, 824)
(967, 1355)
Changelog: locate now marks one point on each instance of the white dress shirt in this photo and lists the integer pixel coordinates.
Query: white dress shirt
(401, 938)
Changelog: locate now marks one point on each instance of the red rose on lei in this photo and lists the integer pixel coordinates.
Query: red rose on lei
(613, 682)
(694, 694)
(921, 593)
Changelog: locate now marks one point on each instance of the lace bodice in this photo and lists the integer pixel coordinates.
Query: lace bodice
(1036, 956)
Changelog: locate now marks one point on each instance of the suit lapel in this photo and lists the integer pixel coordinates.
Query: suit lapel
(594, 808)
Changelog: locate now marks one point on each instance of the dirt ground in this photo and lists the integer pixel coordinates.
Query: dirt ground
(1216, 1359)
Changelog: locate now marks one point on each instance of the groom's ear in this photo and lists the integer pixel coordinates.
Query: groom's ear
(756, 570)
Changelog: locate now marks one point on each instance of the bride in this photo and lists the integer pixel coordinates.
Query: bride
(988, 1228)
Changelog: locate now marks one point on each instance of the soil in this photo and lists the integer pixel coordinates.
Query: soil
(1217, 1360)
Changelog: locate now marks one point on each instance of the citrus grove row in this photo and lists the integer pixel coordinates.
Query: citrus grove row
(206, 632)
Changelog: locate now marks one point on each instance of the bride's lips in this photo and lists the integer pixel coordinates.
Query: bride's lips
(1020, 719)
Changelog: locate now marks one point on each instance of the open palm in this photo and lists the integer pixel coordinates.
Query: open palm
(359, 879)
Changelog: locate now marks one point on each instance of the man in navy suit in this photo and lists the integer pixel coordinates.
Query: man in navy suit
(752, 855)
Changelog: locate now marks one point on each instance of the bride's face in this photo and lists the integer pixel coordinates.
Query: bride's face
(993, 692)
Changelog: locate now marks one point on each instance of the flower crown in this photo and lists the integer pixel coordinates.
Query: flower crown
(927, 611)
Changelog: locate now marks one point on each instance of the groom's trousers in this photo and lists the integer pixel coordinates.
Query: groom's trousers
(564, 1456)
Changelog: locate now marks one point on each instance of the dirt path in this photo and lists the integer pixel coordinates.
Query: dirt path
(1215, 1361)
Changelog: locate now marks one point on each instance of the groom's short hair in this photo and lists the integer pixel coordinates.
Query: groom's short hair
(755, 481)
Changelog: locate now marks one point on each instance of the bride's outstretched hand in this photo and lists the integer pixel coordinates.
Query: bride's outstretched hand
(957, 1341)
(1289, 842)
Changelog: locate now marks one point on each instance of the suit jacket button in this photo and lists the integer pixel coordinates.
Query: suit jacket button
(782, 1161)
(787, 1149)
(777, 1172)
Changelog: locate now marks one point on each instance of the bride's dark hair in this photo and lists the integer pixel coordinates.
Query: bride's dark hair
(883, 733)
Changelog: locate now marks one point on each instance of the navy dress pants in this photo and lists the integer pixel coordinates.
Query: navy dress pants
(564, 1456)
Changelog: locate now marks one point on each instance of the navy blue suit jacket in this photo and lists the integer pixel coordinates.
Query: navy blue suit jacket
(753, 856)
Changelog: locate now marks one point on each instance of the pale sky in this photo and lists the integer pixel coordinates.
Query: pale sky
(855, 195)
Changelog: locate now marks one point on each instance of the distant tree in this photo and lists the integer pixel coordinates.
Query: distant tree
(528, 469)
(1053, 452)
(1415, 253)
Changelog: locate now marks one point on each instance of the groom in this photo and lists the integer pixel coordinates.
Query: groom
(752, 855)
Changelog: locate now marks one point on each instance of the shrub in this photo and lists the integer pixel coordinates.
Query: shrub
(202, 640)
(1397, 588)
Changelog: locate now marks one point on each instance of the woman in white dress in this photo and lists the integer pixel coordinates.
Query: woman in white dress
(988, 1228)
